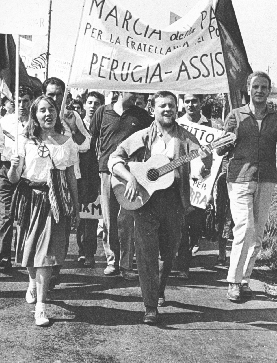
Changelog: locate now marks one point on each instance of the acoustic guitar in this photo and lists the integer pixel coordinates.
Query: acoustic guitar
(157, 173)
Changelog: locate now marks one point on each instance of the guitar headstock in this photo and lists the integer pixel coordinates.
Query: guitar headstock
(224, 140)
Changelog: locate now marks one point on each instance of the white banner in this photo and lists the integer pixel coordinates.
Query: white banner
(24, 17)
(200, 189)
(117, 51)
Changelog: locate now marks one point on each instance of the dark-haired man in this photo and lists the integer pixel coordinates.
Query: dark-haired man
(166, 207)
(113, 123)
(74, 127)
(72, 122)
(251, 178)
(88, 187)
(9, 125)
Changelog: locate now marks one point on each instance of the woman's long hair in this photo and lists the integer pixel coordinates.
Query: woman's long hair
(33, 129)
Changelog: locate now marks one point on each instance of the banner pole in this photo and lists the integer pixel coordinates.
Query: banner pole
(72, 60)
(17, 44)
(48, 41)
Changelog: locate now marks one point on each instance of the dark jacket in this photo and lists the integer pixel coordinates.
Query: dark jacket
(253, 156)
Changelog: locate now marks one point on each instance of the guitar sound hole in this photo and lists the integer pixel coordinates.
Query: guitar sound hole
(152, 174)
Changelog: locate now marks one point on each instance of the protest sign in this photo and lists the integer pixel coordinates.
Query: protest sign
(200, 189)
(92, 210)
(24, 17)
(116, 50)
(58, 68)
(33, 51)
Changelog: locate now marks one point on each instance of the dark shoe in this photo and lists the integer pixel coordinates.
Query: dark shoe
(111, 270)
(246, 291)
(6, 263)
(151, 316)
(221, 262)
(129, 275)
(54, 281)
(233, 293)
(183, 275)
(89, 262)
(161, 301)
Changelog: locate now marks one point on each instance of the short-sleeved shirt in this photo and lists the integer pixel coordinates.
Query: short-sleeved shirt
(37, 168)
(112, 129)
(8, 128)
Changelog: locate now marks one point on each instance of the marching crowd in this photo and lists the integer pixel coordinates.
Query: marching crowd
(53, 160)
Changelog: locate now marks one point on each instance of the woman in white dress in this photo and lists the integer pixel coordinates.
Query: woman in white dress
(46, 196)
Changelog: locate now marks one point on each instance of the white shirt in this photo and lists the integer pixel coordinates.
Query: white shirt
(182, 120)
(159, 146)
(84, 146)
(8, 124)
(36, 168)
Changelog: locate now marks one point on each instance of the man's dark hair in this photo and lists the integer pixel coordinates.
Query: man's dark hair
(53, 80)
(162, 94)
(145, 96)
(26, 90)
(96, 95)
(196, 95)
(77, 102)
(258, 74)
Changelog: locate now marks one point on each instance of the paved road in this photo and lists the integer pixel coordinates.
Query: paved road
(98, 319)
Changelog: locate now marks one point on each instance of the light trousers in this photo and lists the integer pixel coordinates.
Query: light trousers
(249, 203)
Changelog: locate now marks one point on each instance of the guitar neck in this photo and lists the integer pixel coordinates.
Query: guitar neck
(167, 168)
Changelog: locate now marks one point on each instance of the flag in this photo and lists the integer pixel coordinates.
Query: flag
(7, 64)
(4, 90)
(234, 53)
(173, 17)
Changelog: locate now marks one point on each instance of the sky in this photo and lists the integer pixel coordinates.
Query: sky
(256, 19)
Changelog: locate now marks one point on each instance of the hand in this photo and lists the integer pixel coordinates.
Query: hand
(131, 191)
(204, 151)
(204, 172)
(76, 220)
(14, 161)
(232, 124)
(189, 210)
(70, 119)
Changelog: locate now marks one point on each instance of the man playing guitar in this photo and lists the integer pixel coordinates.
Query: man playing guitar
(158, 222)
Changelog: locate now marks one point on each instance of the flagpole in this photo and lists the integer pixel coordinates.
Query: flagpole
(17, 44)
(48, 41)
(73, 57)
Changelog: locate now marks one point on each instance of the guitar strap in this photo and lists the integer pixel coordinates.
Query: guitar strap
(150, 137)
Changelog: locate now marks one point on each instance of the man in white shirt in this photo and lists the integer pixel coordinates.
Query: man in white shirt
(9, 126)
(194, 220)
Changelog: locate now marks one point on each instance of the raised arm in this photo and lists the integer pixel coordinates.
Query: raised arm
(15, 171)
